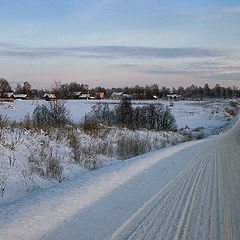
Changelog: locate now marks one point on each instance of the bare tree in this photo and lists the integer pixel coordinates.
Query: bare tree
(5, 86)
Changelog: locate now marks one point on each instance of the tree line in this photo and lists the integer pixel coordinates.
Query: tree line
(193, 91)
(64, 90)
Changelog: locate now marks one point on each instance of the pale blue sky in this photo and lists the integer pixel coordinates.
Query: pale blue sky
(120, 42)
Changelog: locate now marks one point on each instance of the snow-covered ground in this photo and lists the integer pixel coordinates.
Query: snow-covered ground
(200, 203)
(27, 156)
(21, 149)
(188, 191)
(35, 215)
(192, 114)
(24, 179)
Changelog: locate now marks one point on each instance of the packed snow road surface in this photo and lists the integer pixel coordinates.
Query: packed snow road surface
(188, 191)
(203, 202)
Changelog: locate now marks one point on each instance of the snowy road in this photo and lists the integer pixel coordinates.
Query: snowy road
(203, 202)
(189, 191)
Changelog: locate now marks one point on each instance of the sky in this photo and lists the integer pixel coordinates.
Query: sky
(115, 43)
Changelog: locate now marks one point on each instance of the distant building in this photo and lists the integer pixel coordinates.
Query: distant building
(21, 96)
(74, 95)
(78, 95)
(50, 97)
(127, 96)
(84, 96)
(9, 97)
(99, 95)
(116, 95)
(174, 96)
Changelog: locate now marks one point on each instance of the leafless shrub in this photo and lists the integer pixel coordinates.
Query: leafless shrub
(3, 124)
(55, 114)
(104, 147)
(59, 114)
(89, 158)
(26, 123)
(3, 121)
(28, 180)
(3, 181)
(74, 144)
(91, 127)
(130, 146)
(96, 129)
(188, 136)
(46, 162)
(83, 154)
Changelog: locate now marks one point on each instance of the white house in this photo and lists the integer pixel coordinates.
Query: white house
(50, 97)
(20, 96)
(116, 95)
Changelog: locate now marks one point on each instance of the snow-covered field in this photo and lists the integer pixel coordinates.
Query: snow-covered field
(209, 115)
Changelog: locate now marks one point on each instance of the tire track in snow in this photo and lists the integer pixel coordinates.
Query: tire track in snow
(202, 202)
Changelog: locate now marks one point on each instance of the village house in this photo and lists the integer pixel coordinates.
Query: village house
(127, 96)
(74, 95)
(50, 97)
(120, 95)
(84, 96)
(78, 95)
(99, 95)
(174, 96)
(9, 97)
(116, 95)
(21, 96)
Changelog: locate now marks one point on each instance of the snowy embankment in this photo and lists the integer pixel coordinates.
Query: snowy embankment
(33, 160)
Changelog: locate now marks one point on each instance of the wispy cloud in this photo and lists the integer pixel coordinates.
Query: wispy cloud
(189, 67)
(223, 76)
(108, 52)
(162, 71)
(195, 73)
(152, 69)
(126, 66)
